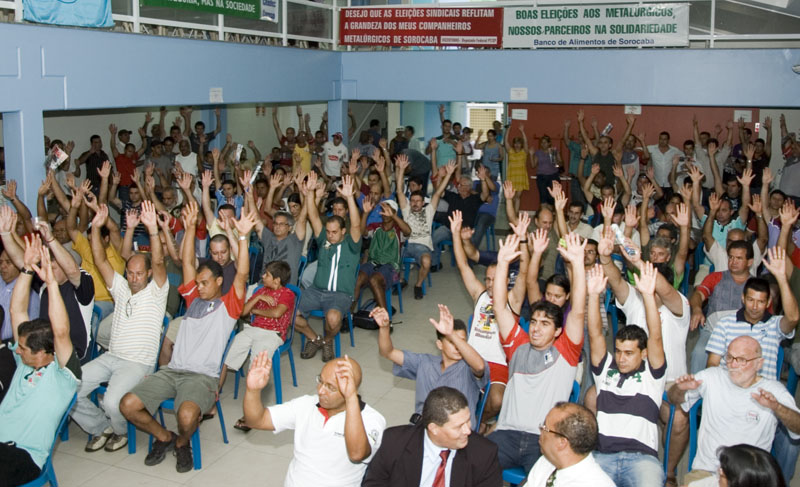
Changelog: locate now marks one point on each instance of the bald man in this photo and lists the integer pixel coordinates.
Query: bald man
(336, 434)
(739, 406)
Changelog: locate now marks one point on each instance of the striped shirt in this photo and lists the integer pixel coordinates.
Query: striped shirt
(628, 406)
(767, 332)
(138, 319)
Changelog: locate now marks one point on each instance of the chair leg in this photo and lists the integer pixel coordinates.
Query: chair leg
(196, 452)
(236, 384)
(352, 335)
(291, 363)
(338, 344)
(276, 377)
(389, 302)
(131, 438)
(222, 422)
(399, 296)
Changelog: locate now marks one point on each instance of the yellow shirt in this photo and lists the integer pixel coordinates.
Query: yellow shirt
(82, 246)
(305, 157)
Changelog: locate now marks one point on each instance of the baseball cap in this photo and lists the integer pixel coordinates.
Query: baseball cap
(391, 203)
(400, 129)
(338, 134)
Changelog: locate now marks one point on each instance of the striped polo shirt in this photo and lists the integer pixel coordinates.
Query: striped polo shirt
(138, 320)
(767, 332)
(627, 407)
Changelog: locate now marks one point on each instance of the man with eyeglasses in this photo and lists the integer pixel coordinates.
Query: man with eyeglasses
(567, 438)
(629, 384)
(140, 300)
(739, 405)
(335, 432)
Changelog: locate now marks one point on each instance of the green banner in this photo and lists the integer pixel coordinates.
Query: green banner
(239, 8)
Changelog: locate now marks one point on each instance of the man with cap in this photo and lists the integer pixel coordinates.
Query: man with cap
(383, 256)
(399, 143)
(333, 154)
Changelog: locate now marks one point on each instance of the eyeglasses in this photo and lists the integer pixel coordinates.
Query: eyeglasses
(128, 308)
(730, 359)
(329, 387)
(544, 429)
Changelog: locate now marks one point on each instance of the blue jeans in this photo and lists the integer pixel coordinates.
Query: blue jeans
(482, 222)
(699, 354)
(629, 469)
(516, 448)
(785, 450)
(439, 235)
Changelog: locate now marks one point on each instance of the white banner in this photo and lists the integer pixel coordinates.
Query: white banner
(649, 25)
(269, 10)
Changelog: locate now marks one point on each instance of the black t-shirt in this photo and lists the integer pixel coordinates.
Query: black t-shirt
(468, 206)
(93, 163)
(78, 301)
(228, 274)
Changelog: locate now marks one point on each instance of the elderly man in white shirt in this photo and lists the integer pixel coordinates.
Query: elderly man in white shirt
(567, 438)
(661, 158)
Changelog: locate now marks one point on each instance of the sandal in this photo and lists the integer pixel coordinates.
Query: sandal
(241, 426)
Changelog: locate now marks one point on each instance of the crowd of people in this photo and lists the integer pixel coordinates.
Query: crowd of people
(136, 283)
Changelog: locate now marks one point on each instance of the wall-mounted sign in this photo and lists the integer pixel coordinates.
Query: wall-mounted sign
(253, 9)
(587, 26)
(421, 26)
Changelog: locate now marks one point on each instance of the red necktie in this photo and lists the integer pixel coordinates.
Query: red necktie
(438, 480)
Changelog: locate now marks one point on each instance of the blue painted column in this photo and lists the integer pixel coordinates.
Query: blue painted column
(338, 120)
(23, 139)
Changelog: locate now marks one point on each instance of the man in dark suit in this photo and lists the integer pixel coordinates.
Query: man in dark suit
(439, 447)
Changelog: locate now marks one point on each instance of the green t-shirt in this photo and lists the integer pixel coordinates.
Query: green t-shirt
(337, 264)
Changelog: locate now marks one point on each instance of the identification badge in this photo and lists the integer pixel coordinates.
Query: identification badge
(548, 357)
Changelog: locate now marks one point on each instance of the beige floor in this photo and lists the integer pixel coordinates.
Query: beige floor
(260, 459)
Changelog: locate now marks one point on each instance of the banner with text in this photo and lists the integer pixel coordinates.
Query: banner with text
(649, 25)
(408, 26)
(253, 9)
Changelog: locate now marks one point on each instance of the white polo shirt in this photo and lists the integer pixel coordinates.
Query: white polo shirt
(320, 455)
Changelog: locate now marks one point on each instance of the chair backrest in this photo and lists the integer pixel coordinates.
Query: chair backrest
(227, 349)
(64, 421)
(694, 421)
(256, 253)
(779, 365)
(301, 268)
(482, 402)
(297, 293)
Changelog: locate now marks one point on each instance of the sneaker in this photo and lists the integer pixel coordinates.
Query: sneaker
(418, 292)
(184, 455)
(116, 442)
(98, 442)
(311, 348)
(159, 450)
(327, 351)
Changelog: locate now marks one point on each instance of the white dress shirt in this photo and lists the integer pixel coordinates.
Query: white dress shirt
(586, 473)
(431, 461)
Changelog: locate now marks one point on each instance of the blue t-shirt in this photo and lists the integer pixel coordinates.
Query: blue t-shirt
(35, 403)
(237, 201)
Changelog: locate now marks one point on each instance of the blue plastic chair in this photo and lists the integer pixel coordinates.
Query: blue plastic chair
(94, 348)
(101, 389)
(779, 365)
(318, 313)
(256, 252)
(301, 268)
(195, 440)
(791, 384)
(699, 255)
(611, 309)
(694, 422)
(449, 243)
(491, 246)
(685, 281)
(48, 475)
(576, 392)
(669, 431)
(482, 403)
(514, 476)
(276, 357)
(388, 297)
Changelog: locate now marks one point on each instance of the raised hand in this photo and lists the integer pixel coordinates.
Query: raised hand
(451, 167)
(681, 217)
(767, 177)
(346, 188)
(631, 216)
(508, 189)
(712, 149)
(207, 180)
(345, 378)
(104, 171)
(521, 228)
(607, 209)
(788, 213)
(445, 323)
(245, 223)
(455, 222)
(605, 246)
(44, 189)
(75, 202)
(45, 269)
(508, 249)
(617, 170)
(131, 219)
(580, 115)
(381, 316)
(595, 166)
(686, 191)
(33, 251)
(101, 215)
(185, 181)
(749, 152)
(401, 163)
(148, 216)
(539, 240)
(747, 176)
(777, 262)
(467, 233)
(367, 206)
(43, 227)
(687, 382)
(646, 283)
(756, 205)
(116, 178)
(260, 368)
(647, 190)
(575, 249)
(189, 214)
(10, 191)
(695, 174)
(713, 202)
(596, 281)
(558, 196)
(387, 210)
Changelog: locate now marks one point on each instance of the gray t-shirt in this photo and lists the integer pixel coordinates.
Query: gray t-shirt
(419, 163)
(288, 250)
